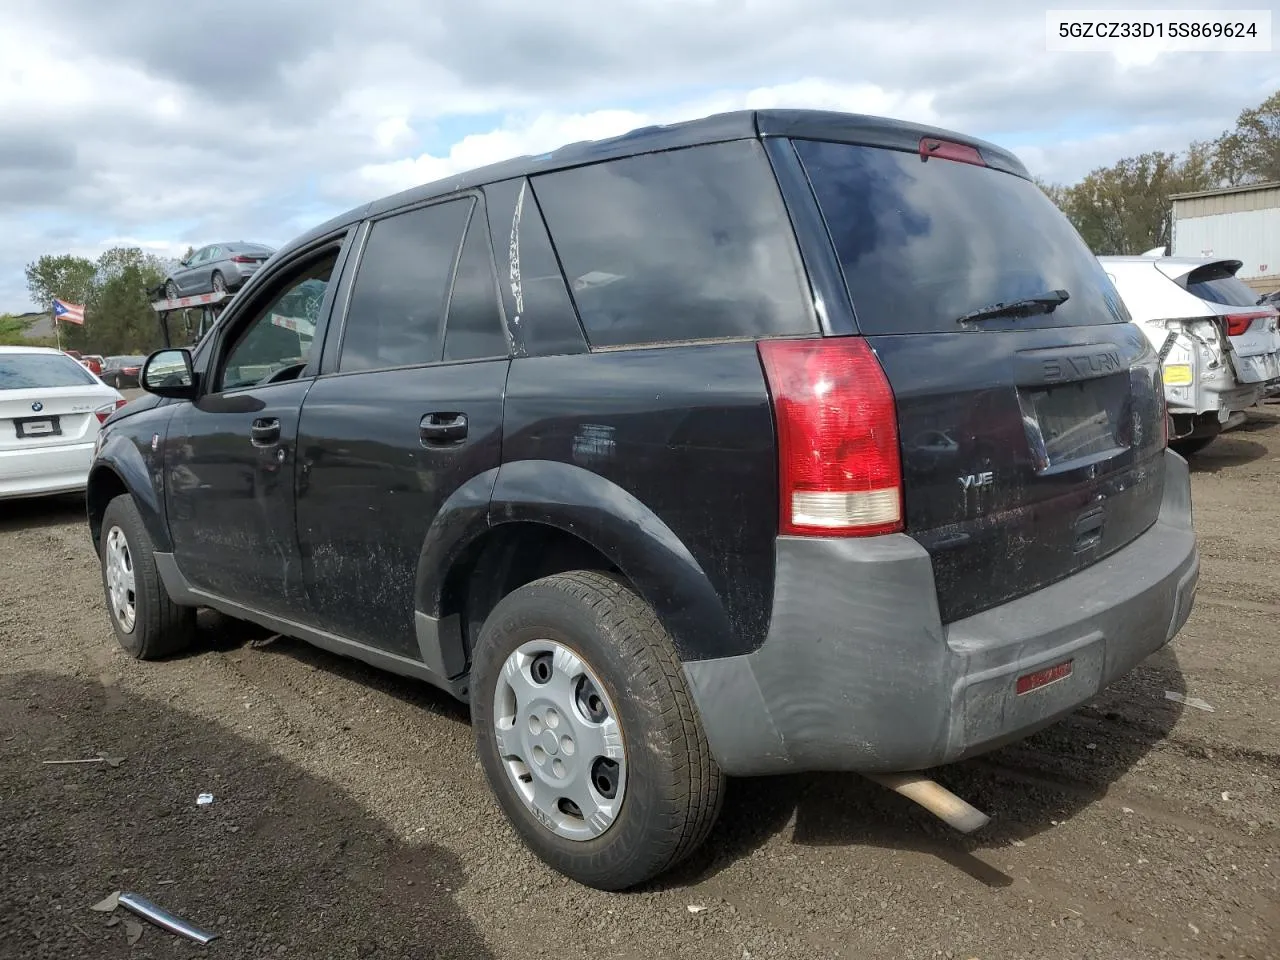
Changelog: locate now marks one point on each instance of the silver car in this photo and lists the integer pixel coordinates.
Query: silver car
(1226, 354)
(216, 268)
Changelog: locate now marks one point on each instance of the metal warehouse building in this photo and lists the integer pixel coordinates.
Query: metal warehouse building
(1240, 223)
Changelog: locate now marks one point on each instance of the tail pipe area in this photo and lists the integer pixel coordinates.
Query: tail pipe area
(935, 798)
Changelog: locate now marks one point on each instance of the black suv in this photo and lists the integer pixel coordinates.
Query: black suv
(774, 441)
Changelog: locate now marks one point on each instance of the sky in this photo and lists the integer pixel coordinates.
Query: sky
(161, 125)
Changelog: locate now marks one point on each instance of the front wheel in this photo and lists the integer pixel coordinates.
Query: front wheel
(147, 623)
(587, 733)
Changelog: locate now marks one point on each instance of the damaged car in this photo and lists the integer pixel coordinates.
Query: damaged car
(1225, 352)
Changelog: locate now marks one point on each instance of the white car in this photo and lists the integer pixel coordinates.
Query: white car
(1226, 355)
(51, 410)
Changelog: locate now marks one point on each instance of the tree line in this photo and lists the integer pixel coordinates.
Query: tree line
(116, 291)
(1125, 208)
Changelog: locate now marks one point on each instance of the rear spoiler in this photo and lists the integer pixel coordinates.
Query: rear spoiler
(1184, 274)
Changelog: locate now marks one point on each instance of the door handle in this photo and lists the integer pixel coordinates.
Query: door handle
(442, 429)
(265, 431)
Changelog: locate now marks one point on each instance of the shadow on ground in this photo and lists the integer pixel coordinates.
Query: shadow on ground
(1024, 788)
(1226, 451)
(282, 864)
(29, 513)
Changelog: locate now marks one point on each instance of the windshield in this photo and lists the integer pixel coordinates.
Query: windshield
(923, 243)
(35, 370)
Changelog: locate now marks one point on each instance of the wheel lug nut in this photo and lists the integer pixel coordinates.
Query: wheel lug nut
(567, 746)
(535, 726)
(553, 719)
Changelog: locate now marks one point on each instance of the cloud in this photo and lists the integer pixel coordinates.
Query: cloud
(188, 124)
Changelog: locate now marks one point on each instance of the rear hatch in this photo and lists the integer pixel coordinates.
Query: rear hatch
(1031, 440)
(47, 400)
(1248, 324)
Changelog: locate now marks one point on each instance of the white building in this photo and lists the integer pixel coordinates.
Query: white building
(1240, 223)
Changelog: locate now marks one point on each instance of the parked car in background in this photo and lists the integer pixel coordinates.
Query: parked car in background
(1226, 354)
(216, 267)
(842, 456)
(51, 409)
(122, 372)
(92, 362)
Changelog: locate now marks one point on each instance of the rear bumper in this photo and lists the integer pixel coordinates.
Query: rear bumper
(45, 471)
(858, 673)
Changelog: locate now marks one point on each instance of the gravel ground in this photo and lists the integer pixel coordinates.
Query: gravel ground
(351, 820)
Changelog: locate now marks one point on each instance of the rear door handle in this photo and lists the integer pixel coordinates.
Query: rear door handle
(265, 431)
(442, 429)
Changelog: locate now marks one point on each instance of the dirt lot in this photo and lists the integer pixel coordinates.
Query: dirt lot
(350, 819)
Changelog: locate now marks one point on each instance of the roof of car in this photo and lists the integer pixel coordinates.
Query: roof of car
(1188, 262)
(33, 350)
(717, 128)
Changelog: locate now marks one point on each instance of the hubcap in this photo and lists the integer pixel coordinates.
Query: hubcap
(559, 740)
(120, 580)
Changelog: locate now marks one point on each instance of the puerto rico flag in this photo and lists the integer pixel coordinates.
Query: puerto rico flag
(68, 312)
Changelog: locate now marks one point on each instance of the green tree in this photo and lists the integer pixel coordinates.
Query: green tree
(66, 277)
(118, 315)
(1251, 152)
(1125, 208)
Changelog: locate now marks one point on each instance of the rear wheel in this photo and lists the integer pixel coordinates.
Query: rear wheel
(147, 623)
(219, 283)
(587, 733)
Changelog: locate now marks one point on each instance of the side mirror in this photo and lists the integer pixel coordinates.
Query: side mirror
(169, 373)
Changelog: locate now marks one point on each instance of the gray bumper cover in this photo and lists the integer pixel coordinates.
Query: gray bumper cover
(858, 672)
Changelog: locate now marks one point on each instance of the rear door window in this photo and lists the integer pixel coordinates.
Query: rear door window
(689, 244)
(396, 314)
(922, 243)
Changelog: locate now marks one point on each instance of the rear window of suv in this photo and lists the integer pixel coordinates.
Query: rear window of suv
(1219, 287)
(923, 243)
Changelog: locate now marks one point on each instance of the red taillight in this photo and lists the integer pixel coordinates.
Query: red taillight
(244, 259)
(950, 150)
(1239, 323)
(840, 467)
(105, 411)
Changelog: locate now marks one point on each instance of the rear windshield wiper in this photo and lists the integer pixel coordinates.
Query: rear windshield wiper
(1045, 303)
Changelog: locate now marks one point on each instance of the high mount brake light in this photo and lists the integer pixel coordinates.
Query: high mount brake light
(950, 150)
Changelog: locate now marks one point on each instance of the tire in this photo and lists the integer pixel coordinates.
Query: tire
(171, 290)
(218, 282)
(160, 627)
(669, 787)
(1189, 448)
(119, 384)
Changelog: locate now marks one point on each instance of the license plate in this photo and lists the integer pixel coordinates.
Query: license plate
(1074, 421)
(37, 427)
